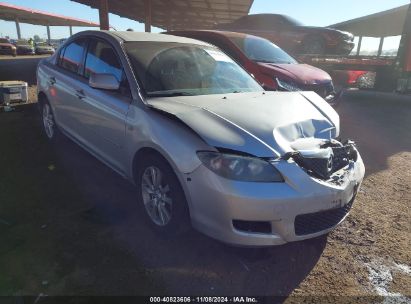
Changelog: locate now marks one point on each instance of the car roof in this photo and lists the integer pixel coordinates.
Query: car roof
(142, 36)
(214, 32)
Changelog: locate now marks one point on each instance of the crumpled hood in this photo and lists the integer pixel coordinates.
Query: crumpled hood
(301, 73)
(262, 124)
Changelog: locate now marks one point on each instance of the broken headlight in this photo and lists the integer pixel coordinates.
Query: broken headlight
(240, 168)
(330, 158)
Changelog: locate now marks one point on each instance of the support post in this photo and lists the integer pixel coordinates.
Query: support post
(71, 30)
(380, 46)
(48, 34)
(103, 14)
(359, 46)
(18, 29)
(148, 12)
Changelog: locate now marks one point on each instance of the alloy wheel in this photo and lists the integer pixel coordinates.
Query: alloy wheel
(48, 121)
(156, 196)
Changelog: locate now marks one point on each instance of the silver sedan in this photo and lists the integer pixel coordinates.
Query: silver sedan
(202, 141)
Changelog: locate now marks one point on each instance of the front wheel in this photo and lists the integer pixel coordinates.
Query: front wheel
(162, 197)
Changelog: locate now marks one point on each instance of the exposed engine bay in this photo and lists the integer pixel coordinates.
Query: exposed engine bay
(326, 158)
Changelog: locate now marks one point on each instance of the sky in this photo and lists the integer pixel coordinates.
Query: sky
(309, 12)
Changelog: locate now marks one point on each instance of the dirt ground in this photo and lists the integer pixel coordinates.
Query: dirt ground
(19, 68)
(70, 226)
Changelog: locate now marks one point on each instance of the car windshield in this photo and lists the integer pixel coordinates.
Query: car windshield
(262, 50)
(2, 40)
(176, 69)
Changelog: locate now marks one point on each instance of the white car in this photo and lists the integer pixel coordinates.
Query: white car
(42, 48)
(200, 138)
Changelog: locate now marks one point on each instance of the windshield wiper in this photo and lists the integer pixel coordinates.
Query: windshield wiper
(168, 94)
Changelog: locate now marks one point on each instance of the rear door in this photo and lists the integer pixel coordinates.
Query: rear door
(102, 113)
(64, 83)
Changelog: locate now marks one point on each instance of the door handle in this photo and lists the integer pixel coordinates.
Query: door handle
(52, 80)
(80, 94)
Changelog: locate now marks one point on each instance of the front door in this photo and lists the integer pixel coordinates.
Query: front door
(102, 113)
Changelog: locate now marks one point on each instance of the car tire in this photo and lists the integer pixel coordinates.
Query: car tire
(161, 197)
(49, 125)
(313, 46)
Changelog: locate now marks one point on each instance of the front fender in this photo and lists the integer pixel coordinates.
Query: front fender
(149, 128)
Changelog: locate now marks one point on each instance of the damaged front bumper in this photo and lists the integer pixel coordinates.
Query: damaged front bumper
(264, 214)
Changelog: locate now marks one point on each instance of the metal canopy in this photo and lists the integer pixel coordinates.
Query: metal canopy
(11, 12)
(383, 24)
(177, 14)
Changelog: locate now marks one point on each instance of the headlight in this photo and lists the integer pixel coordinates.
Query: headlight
(240, 168)
(287, 85)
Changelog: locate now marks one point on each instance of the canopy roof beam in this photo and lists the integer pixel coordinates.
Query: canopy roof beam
(176, 14)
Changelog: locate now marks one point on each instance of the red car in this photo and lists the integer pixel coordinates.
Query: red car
(292, 35)
(269, 64)
(6, 48)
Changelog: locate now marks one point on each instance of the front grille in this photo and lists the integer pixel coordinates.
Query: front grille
(315, 222)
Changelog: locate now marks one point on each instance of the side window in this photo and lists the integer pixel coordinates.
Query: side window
(71, 55)
(102, 58)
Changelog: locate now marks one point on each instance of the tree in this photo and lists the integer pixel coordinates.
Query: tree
(36, 38)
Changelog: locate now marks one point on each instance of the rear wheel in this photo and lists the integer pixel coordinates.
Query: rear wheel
(161, 196)
(48, 122)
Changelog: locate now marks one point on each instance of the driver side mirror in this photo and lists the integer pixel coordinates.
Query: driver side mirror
(104, 81)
